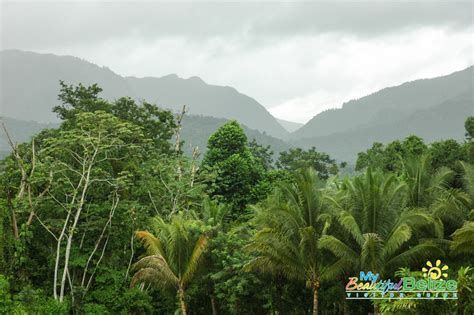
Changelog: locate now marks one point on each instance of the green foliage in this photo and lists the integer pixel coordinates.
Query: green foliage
(232, 168)
(264, 155)
(373, 157)
(445, 153)
(465, 279)
(231, 234)
(469, 126)
(234, 289)
(5, 296)
(28, 301)
(295, 159)
(157, 124)
(173, 256)
(227, 141)
(463, 239)
(389, 157)
(289, 227)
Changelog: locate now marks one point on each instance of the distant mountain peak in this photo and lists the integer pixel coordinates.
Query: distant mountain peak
(42, 73)
(196, 79)
(401, 99)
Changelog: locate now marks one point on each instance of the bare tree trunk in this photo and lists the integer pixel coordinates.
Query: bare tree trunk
(60, 238)
(58, 256)
(21, 189)
(194, 167)
(177, 133)
(13, 217)
(15, 225)
(315, 297)
(76, 220)
(182, 301)
(213, 305)
(71, 233)
(132, 253)
(108, 226)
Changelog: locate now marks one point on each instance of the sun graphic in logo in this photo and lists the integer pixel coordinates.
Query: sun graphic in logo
(435, 272)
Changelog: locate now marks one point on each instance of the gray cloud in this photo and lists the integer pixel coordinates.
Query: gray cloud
(39, 25)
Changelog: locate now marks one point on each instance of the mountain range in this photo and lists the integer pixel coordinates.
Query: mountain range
(39, 75)
(434, 109)
(389, 105)
(431, 108)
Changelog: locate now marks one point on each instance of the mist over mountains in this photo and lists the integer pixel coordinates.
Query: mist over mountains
(390, 105)
(431, 108)
(40, 74)
(434, 109)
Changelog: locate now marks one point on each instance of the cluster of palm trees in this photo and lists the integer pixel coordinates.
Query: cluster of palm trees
(311, 232)
(375, 221)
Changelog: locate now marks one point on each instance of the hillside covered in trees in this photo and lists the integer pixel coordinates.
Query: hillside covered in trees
(105, 214)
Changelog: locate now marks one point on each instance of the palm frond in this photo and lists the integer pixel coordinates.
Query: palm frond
(199, 248)
(351, 226)
(463, 239)
(152, 244)
(149, 275)
(417, 254)
(370, 252)
(338, 248)
(400, 235)
(159, 264)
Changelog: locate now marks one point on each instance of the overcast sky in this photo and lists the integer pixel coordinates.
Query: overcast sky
(295, 58)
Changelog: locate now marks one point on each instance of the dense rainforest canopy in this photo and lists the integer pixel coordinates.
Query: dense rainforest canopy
(106, 214)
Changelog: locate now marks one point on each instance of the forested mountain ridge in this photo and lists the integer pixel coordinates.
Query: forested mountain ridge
(41, 74)
(439, 122)
(389, 105)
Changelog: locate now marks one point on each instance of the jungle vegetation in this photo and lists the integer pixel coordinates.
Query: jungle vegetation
(106, 214)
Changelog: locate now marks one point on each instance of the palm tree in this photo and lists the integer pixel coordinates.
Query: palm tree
(463, 237)
(214, 214)
(289, 225)
(423, 183)
(375, 234)
(173, 255)
(455, 207)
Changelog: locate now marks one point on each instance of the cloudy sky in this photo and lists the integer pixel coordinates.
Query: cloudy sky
(295, 58)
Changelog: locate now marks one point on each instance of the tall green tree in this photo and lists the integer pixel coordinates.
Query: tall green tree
(295, 159)
(445, 153)
(469, 126)
(233, 171)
